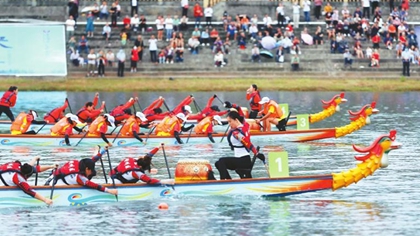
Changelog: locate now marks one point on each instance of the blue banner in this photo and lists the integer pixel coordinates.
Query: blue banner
(32, 50)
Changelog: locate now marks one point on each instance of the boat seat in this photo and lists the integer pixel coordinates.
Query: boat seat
(244, 173)
(283, 123)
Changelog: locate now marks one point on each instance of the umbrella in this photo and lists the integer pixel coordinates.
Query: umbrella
(307, 39)
(266, 54)
(268, 42)
(88, 9)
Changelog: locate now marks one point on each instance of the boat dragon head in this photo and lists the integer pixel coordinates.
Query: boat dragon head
(335, 101)
(365, 112)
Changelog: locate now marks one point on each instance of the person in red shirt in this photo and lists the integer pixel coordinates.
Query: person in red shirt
(198, 13)
(99, 127)
(209, 110)
(56, 114)
(375, 59)
(80, 172)
(205, 126)
(123, 111)
(153, 111)
(7, 101)
(126, 20)
(65, 127)
(88, 113)
(254, 97)
(376, 39)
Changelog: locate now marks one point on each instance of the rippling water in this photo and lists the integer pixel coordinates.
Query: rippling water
(386, 203)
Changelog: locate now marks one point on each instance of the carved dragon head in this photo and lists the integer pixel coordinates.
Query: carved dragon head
(380, 147)
(335, 101)
(365, 112)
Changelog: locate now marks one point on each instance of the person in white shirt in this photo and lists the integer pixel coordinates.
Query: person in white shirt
(134, 7)
(218, 59)
(267, 20)
(208, 13)
(110, 58)
(280, 15)
(296, 14)
(74, 58)
(70, 23)
(253, 31)
(121, 60)
(193, 44)
(103, 11)
(135, 22)
(91, 63)
(255, 54)
(307, 10)
(106, 31)
(254, 20)
(169, 26)
(366, 8)
(159, 27)
(153, 49)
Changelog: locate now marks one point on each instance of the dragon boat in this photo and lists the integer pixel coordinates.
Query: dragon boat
(358, 120)
(374, 157)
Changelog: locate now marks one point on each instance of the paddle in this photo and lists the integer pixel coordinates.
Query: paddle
(41, 128)
(220, 100)
(68, 103)
(189, 135)
(225, 133)
(36, 174)
(166, 105)
(119, 131)
(82, 138)
(110, 169)
(103, 167)
(138, 103)
(54, 182)
(114, 129)
(166, 162)
(151, 131)
(106, 110)
(197, 107)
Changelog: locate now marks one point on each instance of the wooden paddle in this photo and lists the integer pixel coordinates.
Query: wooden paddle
(82, 137)
(189, 135)
(36, 174)
(225, 133)
(138, 103)
(54, 182)
(68, 103)
(197, 106)
(41, 128)
(166, 105)
(151, 131)
(166, 162)
(119, 131)
(110, 169)
(102, 164)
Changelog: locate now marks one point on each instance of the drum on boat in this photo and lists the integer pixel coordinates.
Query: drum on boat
(192, 170)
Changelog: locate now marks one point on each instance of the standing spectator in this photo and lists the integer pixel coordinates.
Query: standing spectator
(208, 13)
(83, 45)
(348, 58)
(134, 7)
(366, 8)
(198, 13)
(7, 101)
(280, 15)
(406, 62)
(91, 63)
(255, 54)
(101, 64)
(153, 49)
(118, 6)
(106, 31)
(318, 6)
(134, 59)
(143, 24)
(110, 58)
(70, 23)
(73, 10)
(113, 11)
(169, 26)
(159, 27)
(121, 61)
(296, 14)
(139, 43)
(184, 6)
(103, 11)
(134, 23)
(307, 10)
(90, 27)
(176, 23)
(375, 4)
(295, 62)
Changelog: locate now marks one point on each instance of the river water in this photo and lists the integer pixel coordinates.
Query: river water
(387, 203)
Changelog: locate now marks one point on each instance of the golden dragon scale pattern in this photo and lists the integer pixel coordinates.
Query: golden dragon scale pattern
(322, 115)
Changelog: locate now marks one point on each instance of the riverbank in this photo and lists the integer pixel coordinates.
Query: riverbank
(115, 84)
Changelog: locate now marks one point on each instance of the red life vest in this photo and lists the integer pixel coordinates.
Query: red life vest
(5, 100)
(71, 167)
(126, 165)
(10, 167)
(55, 114)
(246, 140)
(117, 112)
(82, 117)
(255, 98)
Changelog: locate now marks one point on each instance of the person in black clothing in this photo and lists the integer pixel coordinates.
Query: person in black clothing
(73, 10)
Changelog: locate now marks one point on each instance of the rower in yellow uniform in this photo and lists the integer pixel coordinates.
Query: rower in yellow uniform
(23, 121)
(173, 126)
(272, 115)
(205, 126)
(99, 127)
(131, 127)
(65, 127)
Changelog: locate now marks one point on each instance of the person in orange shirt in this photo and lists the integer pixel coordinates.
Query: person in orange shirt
(205, 126)
(65, 127)
(254, 97)
(123, 111)
(99, 127)
(56, 114)
(7, 101)
(88, 113)
(131, 127)
(23, 121)
(272, 115)
(173, 126)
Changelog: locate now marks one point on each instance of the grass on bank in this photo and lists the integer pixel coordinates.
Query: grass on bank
(212, 84)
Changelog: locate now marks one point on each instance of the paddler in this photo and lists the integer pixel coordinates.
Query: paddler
(88, 113)
(99, 127)
(205, 126)
(80, 172)
(123, 111)
(131, 127)
(56, 114)
(65, 127)
(254, 97)
(131, 170)
(209, 110)
(272, 115)
(173, 126)
(23, 121)
(7, 101)
(16, 174)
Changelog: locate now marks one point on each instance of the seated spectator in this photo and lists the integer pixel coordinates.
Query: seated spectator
(319, 36)
(333, 45)
(123, 37)
(258, 39)
(242, 41)
(295, 62)
(135, 23)
(95, 10)
(218, 45)
(231, 31)
(402, 38)
(278, 35)
(375, 58)
(162, 56)
(193, 45)
(388, 41)
(214, 34)
(196, 33)
(127, 21)
(169, 55)
(295, 50)
(346, 28)
(83, 45)
(72, 44)
(358, 51)
(219, 59)
(253, 31)
(368, 52)
(255, 54)
(205, 38)
(345, 13)
(244, 22)
(184, 23)
(103, 11)
(106, 31)
(74, 58)
(376, 39)
(399, 49)
(143, 23)
(330, 32)
(280, 55)
(348, 58)
(179, 49)
(110, 58)
(226, 46)
(412, 39)
(357, 12)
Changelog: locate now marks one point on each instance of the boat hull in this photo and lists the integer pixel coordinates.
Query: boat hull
(77, 196)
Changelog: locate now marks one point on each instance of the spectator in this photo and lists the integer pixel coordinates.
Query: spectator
(280, 54)
(159, 27)
(196, 33)
(121, 60)
(333, 45)
(376, 39)
(217, 45)
(113, 11)
(412, 39)
(399, 49)
(319, 36)
(255, 54)
(214, 34)
(280, 15)
(118, 6)
(242, 41)
(72, 44)
(139, 43)
(388, 41)
(253, 31)
(110, 58)
(348, 59)
(406, 62)
(74, 58)
(318, 5)
(90, 27)
(73, 10)
(267, 20)
(95, 10)
(101, 64)
(375, 58)
(307, 10)
(103, 11)
(91, 63)
(198, 13)
(126, 21)
(169, 26)
(231, 31)
(176, 23)
(184, 24)
(70, 23)
(134, 59)
(208, 13)
(106, 31)
(169, 55)
(226, 46)
(358, 49)
(134, 7)
(254, 20)
(366, 8)
(143, 24)
(218, 59)
(184, 6)
(295, 62)
(83, 45)
(193, 44)
(205, 38)
(153, 49)
(368, 52)
(345, 13)
(162, 56)
(123, 37)
(135, 23)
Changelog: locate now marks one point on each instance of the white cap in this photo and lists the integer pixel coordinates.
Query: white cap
(141, 116)
(69, 115)
(34, 114)
(181, 116)
(264, 100)
(188, 108)
(218, 119)
(73, 118)
(111, 120)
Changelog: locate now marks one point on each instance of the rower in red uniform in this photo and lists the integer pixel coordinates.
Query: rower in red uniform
(173, 126)
(123, 111)
(80, 172)
(131, 127)
(7, 101)
(205, 126)
(254, 97)
(240, 143)
(56, 114)
(131, 170)
(88, 113)
(23, 121)
(209, 110)
(181, 108)
(238, 108)
(65, 127)
(99, 127)
(155, 104)
(16, 174)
